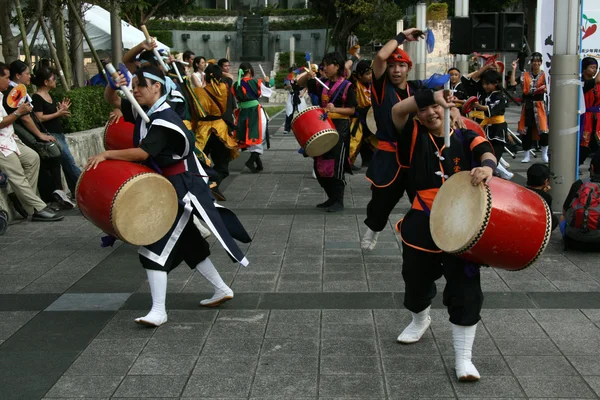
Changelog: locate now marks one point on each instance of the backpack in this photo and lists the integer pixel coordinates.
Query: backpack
(583, 216)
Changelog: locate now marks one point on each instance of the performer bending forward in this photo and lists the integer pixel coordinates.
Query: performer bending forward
(166, 146)
(431, 163)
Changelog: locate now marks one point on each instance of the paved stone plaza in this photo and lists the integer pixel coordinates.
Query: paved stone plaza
(313, 316)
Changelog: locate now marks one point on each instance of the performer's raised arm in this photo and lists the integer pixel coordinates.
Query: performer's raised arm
(380, 62)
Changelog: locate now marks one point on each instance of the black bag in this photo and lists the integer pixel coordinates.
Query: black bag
(44, 149)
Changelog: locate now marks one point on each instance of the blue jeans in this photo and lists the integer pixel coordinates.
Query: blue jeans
(67, 162)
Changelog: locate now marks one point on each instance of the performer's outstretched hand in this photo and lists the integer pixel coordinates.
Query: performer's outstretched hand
(413, 34)
(94, 161)
(440, 99)
(481, 174)
(114, 116)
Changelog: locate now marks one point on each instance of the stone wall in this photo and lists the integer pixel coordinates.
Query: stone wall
(82, 145)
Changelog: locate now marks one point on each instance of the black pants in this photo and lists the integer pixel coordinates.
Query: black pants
(50, 178)
(383, 201)
(334, 188)
(288, 122)
(220, 156)
(366, 153)
(528, 139)
(498, 148)
(585, 151)
(462, 295)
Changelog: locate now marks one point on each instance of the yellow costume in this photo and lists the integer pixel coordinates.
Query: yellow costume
(358, 124)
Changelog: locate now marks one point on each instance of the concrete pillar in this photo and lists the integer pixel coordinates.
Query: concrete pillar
(292, 50)
(461, 9)
(115, 33)
(564, 99)
(421, 56)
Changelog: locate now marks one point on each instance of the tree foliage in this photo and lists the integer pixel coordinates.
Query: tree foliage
(139, 12)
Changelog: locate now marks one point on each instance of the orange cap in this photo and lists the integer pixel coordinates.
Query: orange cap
(399, 56)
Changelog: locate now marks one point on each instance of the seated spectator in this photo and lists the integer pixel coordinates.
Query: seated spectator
(49, 112)
(538, 180)
(581, 211)
(18, 161)
(50, 179)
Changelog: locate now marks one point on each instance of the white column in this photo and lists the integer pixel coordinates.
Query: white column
(461, 9)
(421, 46)
(292, 50)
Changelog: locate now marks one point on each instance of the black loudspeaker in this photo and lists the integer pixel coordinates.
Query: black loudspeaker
(512, 30)
(460, 35)
(484, 31)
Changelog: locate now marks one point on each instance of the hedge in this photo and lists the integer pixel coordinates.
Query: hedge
(169, 25)
(298, 24)
(88, 108)
(279, 78)
(281, 12)
(165, 37)
(284, 60)
(211, 12)
(437, 12)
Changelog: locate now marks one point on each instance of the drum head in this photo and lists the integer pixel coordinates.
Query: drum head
(371, 123)
(469, 105)
(144, 209)
(321, 143)
(458, 214)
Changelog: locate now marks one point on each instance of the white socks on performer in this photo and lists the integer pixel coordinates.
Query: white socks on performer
(545, 154)
(222, 291)
(527, 157)
(158, 289)
(504, 173)
(413, 332)
(464, 336)
(369, 240)
(504, 163)
(205, 232)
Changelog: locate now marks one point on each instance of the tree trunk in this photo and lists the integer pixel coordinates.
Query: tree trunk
(10, 43)
(76, 45)
(58, 26)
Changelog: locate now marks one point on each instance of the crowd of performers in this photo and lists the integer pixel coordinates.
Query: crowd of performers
(195, 130)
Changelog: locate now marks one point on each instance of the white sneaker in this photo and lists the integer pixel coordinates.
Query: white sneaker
(61, 197)
(369, 240)
(220, 297)
(527, 157)
(415, 330)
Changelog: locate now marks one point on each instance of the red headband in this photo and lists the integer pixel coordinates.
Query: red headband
(400, 56)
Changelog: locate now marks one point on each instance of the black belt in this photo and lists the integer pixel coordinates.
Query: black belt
(211, 118)
(537, 97)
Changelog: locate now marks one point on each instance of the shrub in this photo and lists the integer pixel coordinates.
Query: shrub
(437, 12)
(272, 11)
(88, 108)
(165, 37)
(298, 24)
(170, 25)
(284, 60)
(211, 12)
(279, 78)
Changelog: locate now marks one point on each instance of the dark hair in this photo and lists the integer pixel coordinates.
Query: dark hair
(492, 76)
(595, 164)
(454, 69)
(363, 66)
(536, 54)
(213, 73)
(196, 62)
(42, 75)
(586, 62)
(537, 174)
(222, 61)
(247, 67)
(3, 69)
(17, 67)
(152, 70)
(148, 56)
(187, 54)
(335, 58)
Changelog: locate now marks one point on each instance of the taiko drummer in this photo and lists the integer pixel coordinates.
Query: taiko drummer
(166, 145)
(431, 163)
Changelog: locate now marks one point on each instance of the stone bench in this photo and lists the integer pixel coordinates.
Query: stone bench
(82, 145)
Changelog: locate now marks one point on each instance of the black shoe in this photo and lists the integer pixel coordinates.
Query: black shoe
(251, 167)
(63, 200)
(259, 164)
(46, 215)
(217, 193)
(17, 205)
(326, 204)
(335, 207)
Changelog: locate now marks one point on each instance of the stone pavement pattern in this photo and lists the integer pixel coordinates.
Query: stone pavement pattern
(313, 316)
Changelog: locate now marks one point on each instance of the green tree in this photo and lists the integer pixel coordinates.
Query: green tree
(381, 25)
(139, 12)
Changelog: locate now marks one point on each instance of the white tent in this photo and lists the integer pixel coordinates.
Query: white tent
(97, 26)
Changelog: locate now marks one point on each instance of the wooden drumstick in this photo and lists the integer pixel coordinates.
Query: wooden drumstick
(318, 80)
(115, 76)
(447, 115)
(262, 70)
(154, 50)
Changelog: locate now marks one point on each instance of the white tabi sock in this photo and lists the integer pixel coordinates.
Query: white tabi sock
(504, 173)
(205, 232)
(545, 154)
(464, 336)
(222, 291)
(369, 240)
(413, 332)
(158, 289)
(527, 158)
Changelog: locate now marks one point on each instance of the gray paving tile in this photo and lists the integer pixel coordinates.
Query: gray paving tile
(488, 386)
(283, 330)
(540, 366)
(284, 386)
(411, 386)
(349, 365)
(287, 364)
(348, 347)
(414, 365)
(89, 302)
(212, 385)
(175, 346)
(555, 386)
(151, 386)
(163, 364)
(189, 316)
(295, 317)
(347, 386)
(233, 364)
(232, 346)
(237, 329)
(586, 365)
(594, 382)
(283, 346)
(12, 321)
(85, 386)
(348, 331)
(182, 331)
(347, 317)
(527, 347)
(90, 363)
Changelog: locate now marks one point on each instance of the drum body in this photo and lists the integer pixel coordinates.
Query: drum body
(502, 224)
(315, 133)
(473, 126)
(118, 135)
(128, 201)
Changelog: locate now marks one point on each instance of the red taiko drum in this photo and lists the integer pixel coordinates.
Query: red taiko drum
(315, 133)
(468, 106)
(128, 201)
(502, 224)
(118, 135)
(473, 126)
